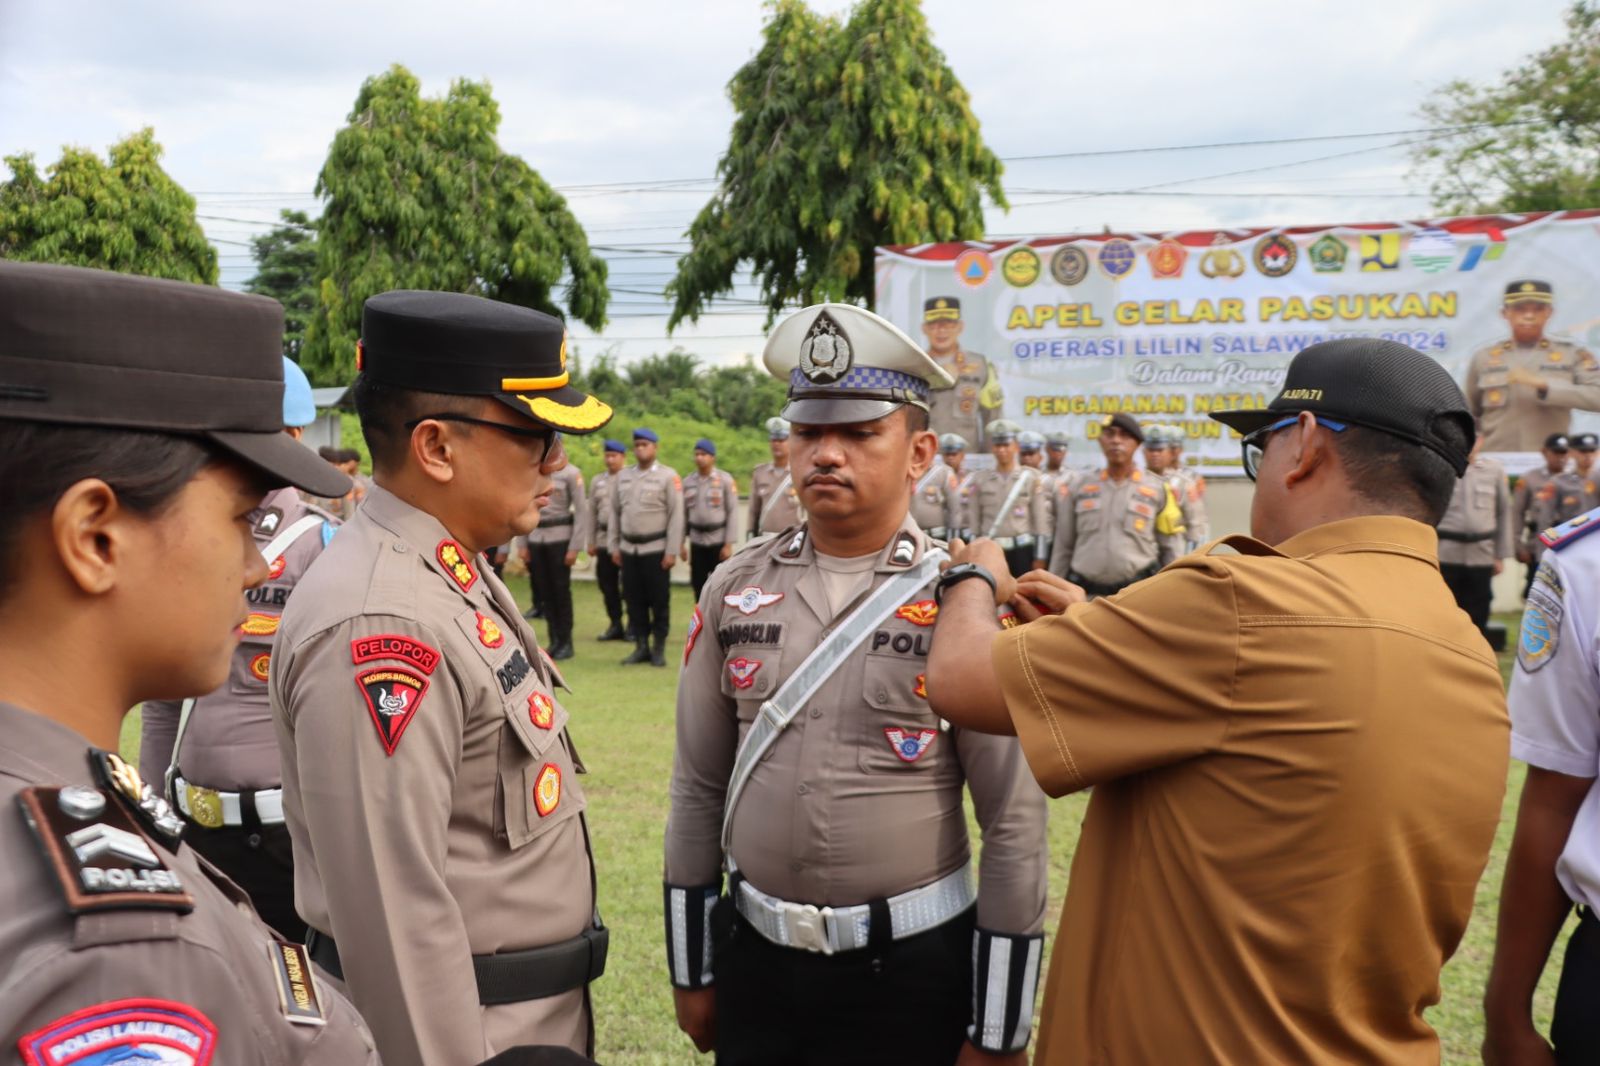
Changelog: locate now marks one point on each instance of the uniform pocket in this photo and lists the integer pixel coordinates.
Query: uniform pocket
(899, 733)
(537, 791)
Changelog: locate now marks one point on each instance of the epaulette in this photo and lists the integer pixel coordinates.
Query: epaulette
(1572, 530)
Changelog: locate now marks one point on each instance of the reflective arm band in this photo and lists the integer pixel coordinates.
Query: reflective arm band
(1005, 981)
(1042, 549)
(688, 912)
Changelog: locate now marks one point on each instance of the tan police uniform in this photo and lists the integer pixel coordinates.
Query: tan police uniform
(1532, 487)
(1474, 534)
(224, 777)
(1513, 417)
(711, 511)
(1111, 533)
(1189, 489)
(1014, 509)
(774, 500)
(968, 406)
(646, 525)
(563, 527)
(608, 575)
(432, 791)
(1567, 495)
(936, 501)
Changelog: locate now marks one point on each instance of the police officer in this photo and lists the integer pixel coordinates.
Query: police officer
(431, 788)
(216, 758)
(1524, 389)
(1573, 491)
(552, 548)
(1119, 525)
(774, 500)
(953, 450)
(1055, 450)
(1008, 503)
(1163, 454)
(1532, 489)
(646, 527)
(1475, 536)
(607, 574)
(711, 504)
(143, 421)
(975, 400)
(936, 500)
(848, 934)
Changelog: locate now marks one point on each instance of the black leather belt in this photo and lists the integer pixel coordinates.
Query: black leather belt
(1465, 538)
(701, 527)
(645, 538)
(558, 520)
(1094, 588)
(510, 976)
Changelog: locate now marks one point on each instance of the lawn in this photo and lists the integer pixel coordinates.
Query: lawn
(622, 723)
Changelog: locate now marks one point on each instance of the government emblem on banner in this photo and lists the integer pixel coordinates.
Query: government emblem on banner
(1167, 259)
(1328, 254)
(973, 267)
(1069, 265)
(1275, 255)
(1380, 251)
(1433, 249)
(1020, 267)
(1487, 252)
(1221, 261)
(1117, 258)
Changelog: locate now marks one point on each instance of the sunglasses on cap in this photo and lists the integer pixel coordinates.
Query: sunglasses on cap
(1253, 445)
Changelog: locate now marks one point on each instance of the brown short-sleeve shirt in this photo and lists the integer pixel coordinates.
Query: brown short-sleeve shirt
(1299, 755)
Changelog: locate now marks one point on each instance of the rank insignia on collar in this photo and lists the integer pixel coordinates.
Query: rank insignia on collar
(123, 778)
(541, 710)
(921, 688)
(921, 613)
(909, 745)
(697, 622)
(453, 557)
(259, 625)
(905, 550)
(796, 543)
(260, 665)
(489, 632)
(393, 697)
(127, 1031)
(751, 599)
(98, 853)
(742, 671)
(276, 568)
(269, 522)
(547, 789)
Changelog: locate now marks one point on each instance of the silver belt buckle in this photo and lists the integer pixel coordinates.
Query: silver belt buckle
(809, 927)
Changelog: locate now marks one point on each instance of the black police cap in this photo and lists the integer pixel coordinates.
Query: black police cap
(93, 348)
(941, 309)
(461, 345)
(1530, 291)
(1378, 384)
(1125, 422)
(1557, 442)
(1586, 442)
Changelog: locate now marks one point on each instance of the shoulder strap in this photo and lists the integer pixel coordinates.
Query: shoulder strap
(777, 712)
(781, 487)
(280, 544)
(1023, 481)
(927, 479)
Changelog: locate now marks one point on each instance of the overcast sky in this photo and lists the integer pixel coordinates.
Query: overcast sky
(246, 98)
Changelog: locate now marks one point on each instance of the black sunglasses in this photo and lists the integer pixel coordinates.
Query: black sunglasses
(1252, 446)
(546, 435)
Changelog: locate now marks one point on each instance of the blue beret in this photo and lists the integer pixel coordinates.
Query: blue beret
(646, 434)
(298, 407)
(705, 444)
(616, 446)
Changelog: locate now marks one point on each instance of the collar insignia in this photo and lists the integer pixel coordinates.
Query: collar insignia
(453, 557)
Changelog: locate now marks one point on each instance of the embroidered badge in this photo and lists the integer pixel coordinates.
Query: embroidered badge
(547, 789)
(489, 634)
(259, 625)
(453, 557)
(1007, 619)
(99, 855)
(124, 1031)
(259, 666)
(921, 687)
(742, 671)
(696, 623)
(909, 746)
(393, 697)
(269, 522)
(751, 599)
(541, 710)
(276, 567)
(297, 987)
(921, 613)
(1536, 645)
(394, 646)
(905, 550)
(825, 354)
(796, 543)
(514, 671)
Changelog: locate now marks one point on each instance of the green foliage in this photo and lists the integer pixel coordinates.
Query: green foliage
(847, 136)
(126, 215)
(286, 270)
(742, 396)
(1537, 145)
(420, 196)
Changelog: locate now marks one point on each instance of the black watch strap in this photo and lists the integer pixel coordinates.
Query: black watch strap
(959, 573)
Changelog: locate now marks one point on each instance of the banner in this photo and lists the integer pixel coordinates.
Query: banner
(1055, 333)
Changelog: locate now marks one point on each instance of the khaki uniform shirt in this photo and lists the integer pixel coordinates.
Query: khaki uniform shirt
(936, 502)
(1480, 509)
(1028, 515)
(209, 975)
(565, 519)
(971, 404)
(832, 815)
(647, 511)
(1282, 847)
(229, 743)
(712, 508)
(1513, 417)
(1107, 531)
(1566, 496)
(774, 500)
(600, 505)
(430, 787)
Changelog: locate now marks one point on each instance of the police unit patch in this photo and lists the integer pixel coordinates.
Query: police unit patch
(921, 613)
(742, 671)
(259, 625)
(393, 697)
(547, 789)
(921, 687)
(453, 557)
(541, 710)
(751, 599)
(909, 745)
(697, 622)
(394, 646)
(489, 632)
(124, 1031)
(276, 568)
(259, 666)
(1536, 644)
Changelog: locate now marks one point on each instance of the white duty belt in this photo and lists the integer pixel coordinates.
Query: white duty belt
(214, 809)
(827, 930)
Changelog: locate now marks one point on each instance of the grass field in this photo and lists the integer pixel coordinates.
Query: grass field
(623, 725)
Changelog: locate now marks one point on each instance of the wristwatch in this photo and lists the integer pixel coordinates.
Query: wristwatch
(959, 573)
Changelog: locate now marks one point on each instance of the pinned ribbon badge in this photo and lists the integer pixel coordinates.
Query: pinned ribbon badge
(909, 746)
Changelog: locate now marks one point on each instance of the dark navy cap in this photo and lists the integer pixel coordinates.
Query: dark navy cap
(1127, 423)
(705, 444)
(646, 434)
(616, 446)
(1557, 442)
(1538, 292)
(1586, 442)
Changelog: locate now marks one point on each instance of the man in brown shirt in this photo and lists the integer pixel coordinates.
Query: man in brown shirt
(851, 932)
(431, 788)
(1297, 743)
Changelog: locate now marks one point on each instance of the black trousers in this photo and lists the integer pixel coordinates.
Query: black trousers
(648, 590)
(551, 579)
(1470, 586)
(608, 575)
(260, 861)
(907, 1001)
(703, 558)
(1575, 1029)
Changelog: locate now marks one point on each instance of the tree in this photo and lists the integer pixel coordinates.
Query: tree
(127, 215)
(286, 270)
(419, 195)
(1528, 142)
(742, 396)
(845, 137)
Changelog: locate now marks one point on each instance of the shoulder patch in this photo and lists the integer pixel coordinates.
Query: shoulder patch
(393, 696)
(1571, 531)
(394, 646)
(697, 622)
(98, 853)
(453, 557)
(124, 1031)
